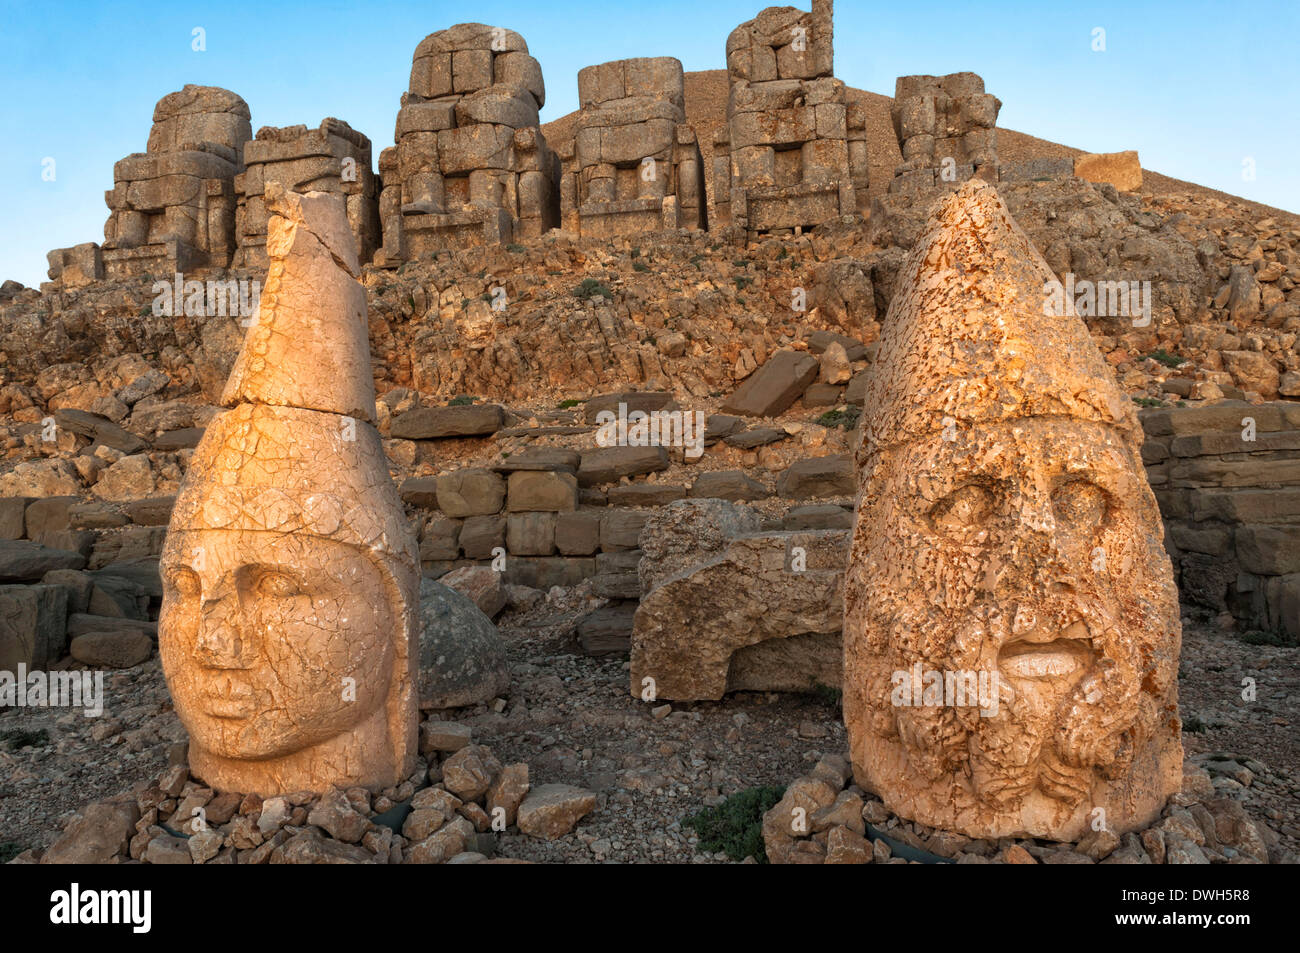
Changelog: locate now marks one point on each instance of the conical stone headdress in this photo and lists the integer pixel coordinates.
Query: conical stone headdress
(297, 452)
(305, 369)
(942, 361)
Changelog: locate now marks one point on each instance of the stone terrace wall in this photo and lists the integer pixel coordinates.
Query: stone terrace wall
(1231, 506)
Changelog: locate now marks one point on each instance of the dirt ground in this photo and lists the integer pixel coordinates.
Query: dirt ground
(572, 719)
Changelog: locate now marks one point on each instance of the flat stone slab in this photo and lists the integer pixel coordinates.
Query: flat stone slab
(611, 464)
(776, 385)
(431, 423)
(22, 560)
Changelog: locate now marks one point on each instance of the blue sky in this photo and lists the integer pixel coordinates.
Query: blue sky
(1195, 87)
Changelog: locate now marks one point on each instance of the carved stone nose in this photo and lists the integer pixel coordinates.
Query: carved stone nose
(220, 642)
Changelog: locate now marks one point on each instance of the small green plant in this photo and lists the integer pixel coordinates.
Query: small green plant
(591, 288)
(516, 249)
(827, 695)
(1167, 359)
(741, 281)
(463, 400)
(696, 259)
(846, 418)
(1148, 402)
(16, 738)
(640, 266)
(1267, 637)
(736, 825)
(571, 402)
(9, 850)
(636, 252)
(1193, 725)
(740, 263)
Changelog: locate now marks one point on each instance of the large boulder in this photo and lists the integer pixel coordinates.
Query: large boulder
(462, 657)
(689, 532)
(23, 560)
(762, 615)
(33, 626)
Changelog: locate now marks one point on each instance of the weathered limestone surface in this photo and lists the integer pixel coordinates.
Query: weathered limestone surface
(634, 164)
(288, 631)
(947, 131)
(333, 157)
(1121, 169)
(1005, 529)
(1228, 483)
(172, 207)
(471, 165)
(751, 612)
(793, 153)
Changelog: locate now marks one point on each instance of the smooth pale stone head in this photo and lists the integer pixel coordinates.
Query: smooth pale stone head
(288, 632)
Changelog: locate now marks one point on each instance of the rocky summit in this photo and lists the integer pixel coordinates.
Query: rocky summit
(638, 486)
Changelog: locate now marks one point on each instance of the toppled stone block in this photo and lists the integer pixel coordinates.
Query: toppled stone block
(818, 477)
(431, 423)
(775, 386)
(764, 614)
(1120, 169)
(33, 626)
(611, 464)
(552, 810)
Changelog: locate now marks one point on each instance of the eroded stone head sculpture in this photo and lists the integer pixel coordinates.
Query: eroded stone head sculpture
(1006, 539)
(288, 626)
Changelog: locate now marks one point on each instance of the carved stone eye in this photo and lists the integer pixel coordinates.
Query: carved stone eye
(962, 510)
(185, 582)
(275, 585)
(1080, 503)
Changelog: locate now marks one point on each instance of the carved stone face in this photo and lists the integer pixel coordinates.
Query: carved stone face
(1021, 548)
(272, 643)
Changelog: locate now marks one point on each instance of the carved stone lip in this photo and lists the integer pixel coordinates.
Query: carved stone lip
(227, 708)
(1026, 658)
(228, 697)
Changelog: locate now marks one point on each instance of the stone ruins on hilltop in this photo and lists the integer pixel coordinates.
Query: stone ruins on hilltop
(634, 164)
(172, 207)
(793, 153)
(333, 158)
(944, 119)
(471, 165)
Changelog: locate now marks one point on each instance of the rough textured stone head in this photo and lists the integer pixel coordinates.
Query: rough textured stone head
(1011, 623)
(288, 627)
